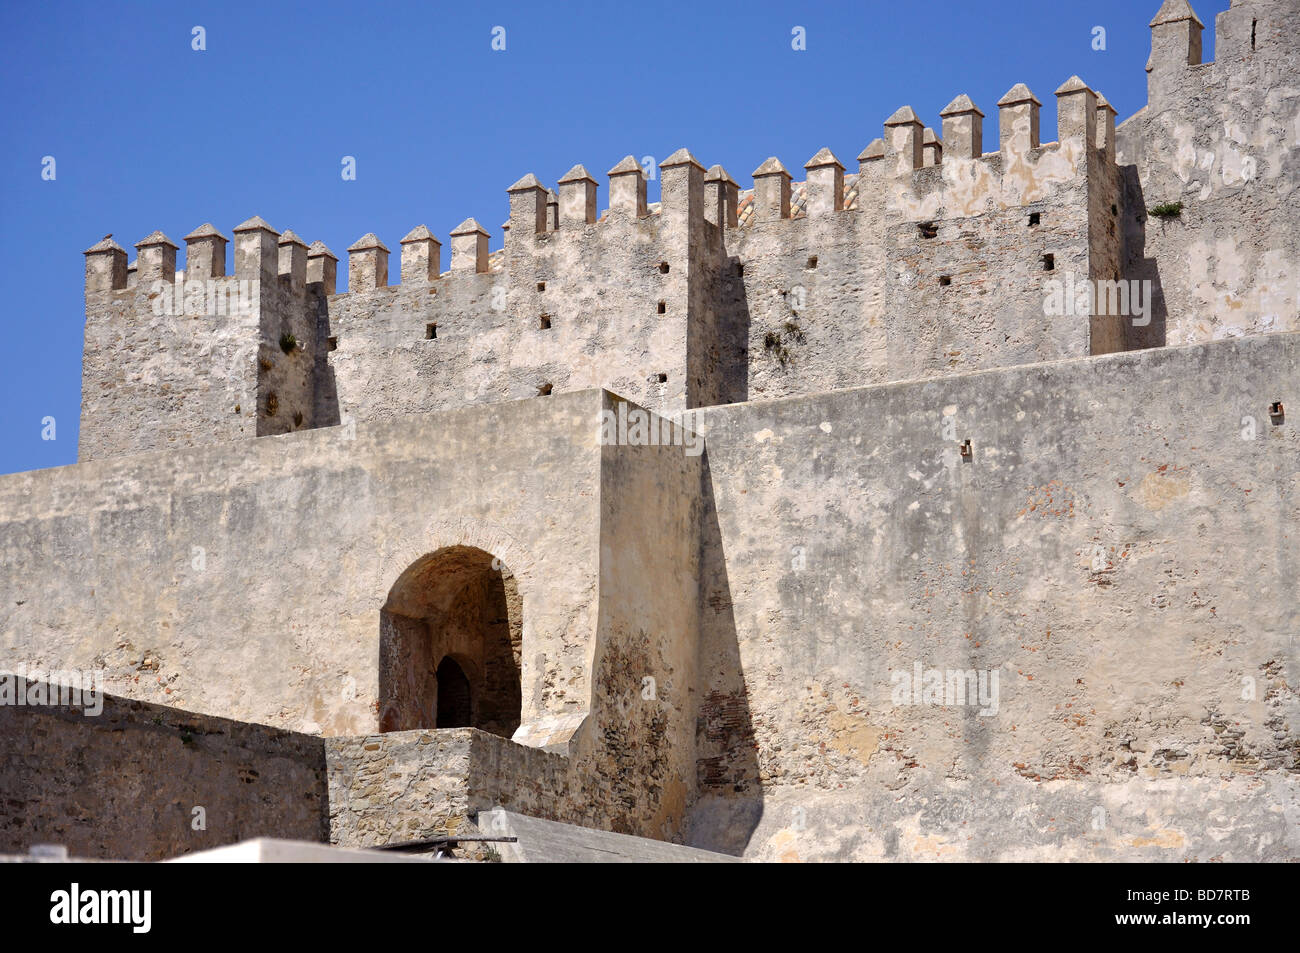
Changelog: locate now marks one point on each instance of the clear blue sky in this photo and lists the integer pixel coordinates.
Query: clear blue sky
(149, 134)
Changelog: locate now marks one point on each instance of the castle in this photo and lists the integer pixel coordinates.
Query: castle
(943, 509)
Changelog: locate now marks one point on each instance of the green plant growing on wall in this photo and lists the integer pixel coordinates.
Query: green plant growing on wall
(288, 343)
(1167, 210)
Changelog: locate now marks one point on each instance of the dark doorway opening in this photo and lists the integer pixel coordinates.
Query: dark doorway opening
(454, 709)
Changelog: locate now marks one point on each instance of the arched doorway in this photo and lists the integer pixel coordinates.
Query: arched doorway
(450, 645)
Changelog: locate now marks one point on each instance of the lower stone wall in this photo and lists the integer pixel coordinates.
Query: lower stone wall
(145, 782)
(413, 785)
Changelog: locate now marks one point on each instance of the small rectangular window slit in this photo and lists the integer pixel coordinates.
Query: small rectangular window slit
(430, 331)
(541, 286)
(1035, 218)
(928, 229)
(663, 307)
(812, 262)
(945, 281)
(544, 322)
(663, 267)
(333, 344)
(1049, 263)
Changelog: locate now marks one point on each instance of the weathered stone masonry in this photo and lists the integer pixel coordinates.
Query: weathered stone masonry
(932, 269)
(910, 464)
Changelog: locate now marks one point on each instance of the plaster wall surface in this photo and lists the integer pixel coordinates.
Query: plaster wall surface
(246, 580)
(1116, 551)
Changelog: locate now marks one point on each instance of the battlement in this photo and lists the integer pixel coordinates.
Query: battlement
(629, 282)
(656, 302)
(919, 175)
(539, 214)
(1250, 34)
(260, 254)
(1216, 146)
(938, 254)
(175, 358)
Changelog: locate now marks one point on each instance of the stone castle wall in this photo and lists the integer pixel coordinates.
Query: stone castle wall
(274, 559)
(1115, 543)
(1119, 549)
(181, 359)
(123, 784)
(1222, 139)
(928, 264)
(200, 562)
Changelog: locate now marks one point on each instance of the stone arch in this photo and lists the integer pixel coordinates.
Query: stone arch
(452, 620)
(401, 549)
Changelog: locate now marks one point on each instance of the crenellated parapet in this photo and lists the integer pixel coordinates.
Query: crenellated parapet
(574, 299)
(838, 270)
(933, 257)
(915, 172)
(179, 357)
(1216, 148)
(1251, 34)
(654, 303)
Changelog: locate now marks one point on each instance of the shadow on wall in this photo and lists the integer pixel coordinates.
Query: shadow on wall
(326, 409)
(734, 332)
(730, 803)
(450, 645)
(112, 778)
(1137, 267)
(725, 291)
